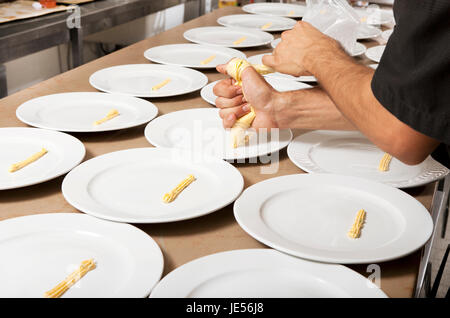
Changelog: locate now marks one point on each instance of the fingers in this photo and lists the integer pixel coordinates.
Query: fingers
(222, 68)
(222, 102)
(226, 88)
(230, 115)
(229, 121)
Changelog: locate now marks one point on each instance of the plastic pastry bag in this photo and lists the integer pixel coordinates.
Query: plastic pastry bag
(335, 18)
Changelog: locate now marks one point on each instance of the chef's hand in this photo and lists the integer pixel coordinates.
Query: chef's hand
(257, 92)
(299, 49)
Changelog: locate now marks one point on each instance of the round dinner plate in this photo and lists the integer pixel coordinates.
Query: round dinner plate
(358, 50)
(139, 79)
(257, 59)
(367, 32)
(259, 22)
(279, 84)
(262, 273)
(40, 251)
(375, 16)
(201, 131)
(309, 216)
(129, 185)
(386, 34)
(17, 143)
(351, 153)
(192, 55)
(229, 37)
(77, 112)
(276, 9)
(374, 53)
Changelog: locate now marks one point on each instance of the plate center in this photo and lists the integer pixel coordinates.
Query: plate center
(303, 217)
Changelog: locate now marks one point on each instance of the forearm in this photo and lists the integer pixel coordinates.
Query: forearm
(349, 86)
(308, 109)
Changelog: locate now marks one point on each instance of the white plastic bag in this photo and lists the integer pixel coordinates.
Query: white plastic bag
(335, 18)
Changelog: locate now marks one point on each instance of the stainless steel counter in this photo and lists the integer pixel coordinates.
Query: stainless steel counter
(23, 37)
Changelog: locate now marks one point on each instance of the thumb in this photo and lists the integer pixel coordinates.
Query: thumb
(269, 60)
(256, 89)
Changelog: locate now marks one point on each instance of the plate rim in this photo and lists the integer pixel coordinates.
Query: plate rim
(255, 254)
(147, 56)
(81, 207)
(418, 180)
(221, 21)
(379, 32)
(329, 259)
(369, 51)
(186, 35)
(203, 79)
(59, 217)
(76, 143)
(157, 145)
(247, 6)
(151, 108)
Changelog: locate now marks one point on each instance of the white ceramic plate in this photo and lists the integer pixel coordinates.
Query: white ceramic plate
(224, 36)
(309, 215)
(359, 48)
(259, 22)
(138, 80)
(201, 131)
(386, 34)
(191, 55)
(279, 84)
(375, 16)
(18, 144)
(374, 53)
(257, 59)
(367, 32)
(276, 9)
(39, 251)
(262, 273)
(76, 112)
(128, 185)
(351, 153)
